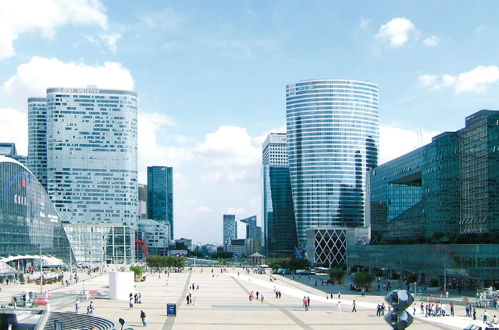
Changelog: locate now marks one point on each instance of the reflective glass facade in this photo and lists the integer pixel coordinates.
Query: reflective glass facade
(230, 227)
(95, 244)
(332, 130)
(29, 223)
(446, 191)
(160, 195)
(92, 154)
(37, 138)
(280, 225)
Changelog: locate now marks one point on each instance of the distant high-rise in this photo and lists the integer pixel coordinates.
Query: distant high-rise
(142, 202)
(230, 227)
(37, 138)
(332, 131)
(252, 230)
(91, 153)
(160, 195)
(278, 213)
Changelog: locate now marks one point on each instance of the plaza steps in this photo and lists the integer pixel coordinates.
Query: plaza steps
(77, 321)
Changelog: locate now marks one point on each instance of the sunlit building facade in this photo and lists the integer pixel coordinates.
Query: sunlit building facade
(332, 133)
(160, 195)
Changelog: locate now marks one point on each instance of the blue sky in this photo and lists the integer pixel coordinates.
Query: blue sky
(211, 77)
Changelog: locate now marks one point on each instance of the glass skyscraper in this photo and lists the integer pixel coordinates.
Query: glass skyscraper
(278, 212)
(160, 195)
(91, 153)
(37, 138)
(332, 131)
(230, 227)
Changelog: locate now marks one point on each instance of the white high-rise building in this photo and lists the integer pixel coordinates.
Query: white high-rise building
(91, 153)
(275, 150)
(37, 138)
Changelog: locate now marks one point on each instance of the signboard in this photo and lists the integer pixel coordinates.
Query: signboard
(171, 309)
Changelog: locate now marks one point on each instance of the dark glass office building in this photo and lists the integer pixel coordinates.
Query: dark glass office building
(278, 213)
(160, 194)
(440, 198)
(29, 222)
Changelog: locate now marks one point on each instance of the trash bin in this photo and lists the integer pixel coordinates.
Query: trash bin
(171, 309)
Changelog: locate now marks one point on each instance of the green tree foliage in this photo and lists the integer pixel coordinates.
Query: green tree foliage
(137, 271)
(288, 263)
(337, 274)
(165, 262)
(363, 280)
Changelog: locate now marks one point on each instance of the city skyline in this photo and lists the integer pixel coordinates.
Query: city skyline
(211, 79)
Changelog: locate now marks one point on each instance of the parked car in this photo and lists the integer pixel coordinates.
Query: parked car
(304, 272)
(282, 271)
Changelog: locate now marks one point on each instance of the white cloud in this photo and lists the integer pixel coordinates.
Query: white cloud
(473, 81)
(431, 41)
(396, 141)
(34, 77)
(110, 40)
(14, 128)
(396, 31)
(20, 16)
(151, 152)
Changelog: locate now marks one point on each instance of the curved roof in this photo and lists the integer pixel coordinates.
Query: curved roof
(47, 260)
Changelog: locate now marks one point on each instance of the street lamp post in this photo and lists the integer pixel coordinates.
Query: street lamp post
(41, 270)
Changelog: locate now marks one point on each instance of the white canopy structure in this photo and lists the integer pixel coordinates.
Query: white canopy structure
(47, 261)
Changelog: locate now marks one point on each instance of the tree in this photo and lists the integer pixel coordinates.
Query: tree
(363, 280)
(137, 271)
(276, 263)
(295, 263)
(337, 274)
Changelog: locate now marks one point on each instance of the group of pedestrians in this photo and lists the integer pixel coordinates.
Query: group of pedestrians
(306, 303)
(257, 296)
(190, 300)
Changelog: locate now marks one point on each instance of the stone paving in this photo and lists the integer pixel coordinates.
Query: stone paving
(221, 302)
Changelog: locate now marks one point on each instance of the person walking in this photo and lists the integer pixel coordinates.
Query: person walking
(474, 313)
(354, 306)
(339, 306)
(451, 309)
(77, 306)
(485, 316)
(261, 298)
(305, 303)
(130, 305)
(143, 318)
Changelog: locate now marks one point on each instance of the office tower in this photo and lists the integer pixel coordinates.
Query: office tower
(142, 206)
(332, 132)
(160, 195)
(252, 230)
(37, 138)
(278, 213)
(439, 204)
(230, 227)
(91, 154)
(9, 149)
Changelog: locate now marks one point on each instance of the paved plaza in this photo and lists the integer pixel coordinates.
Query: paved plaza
(221, 302)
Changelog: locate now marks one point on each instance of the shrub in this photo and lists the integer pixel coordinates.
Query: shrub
(137, 271)
(337, 274)
(363, 280)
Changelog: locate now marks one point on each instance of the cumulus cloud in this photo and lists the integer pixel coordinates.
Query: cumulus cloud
(473, 81)
(431, 41)
(20, 16)
(151, 152)
(34, 77)
(396, 31)
(109, 40)
(14, 128)
(395, 141)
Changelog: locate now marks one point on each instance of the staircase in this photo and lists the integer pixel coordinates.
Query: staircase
(77, 321)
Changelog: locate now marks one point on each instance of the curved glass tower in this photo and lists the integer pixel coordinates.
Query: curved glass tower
(332, 127)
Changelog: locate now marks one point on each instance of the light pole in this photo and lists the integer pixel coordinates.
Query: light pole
(41, 270)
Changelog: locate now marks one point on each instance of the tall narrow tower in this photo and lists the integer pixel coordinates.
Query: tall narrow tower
(37, 138)
(332, 128)
(160, 194)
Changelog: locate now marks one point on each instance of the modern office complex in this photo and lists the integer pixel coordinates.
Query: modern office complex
(37, 138)
(439, 204)
(160, 194)
(29, 222)
(97, 244)
(252, 230)
(156, 234)
(278, 213)
(332, 132)
(230, 227)
(91, 152)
